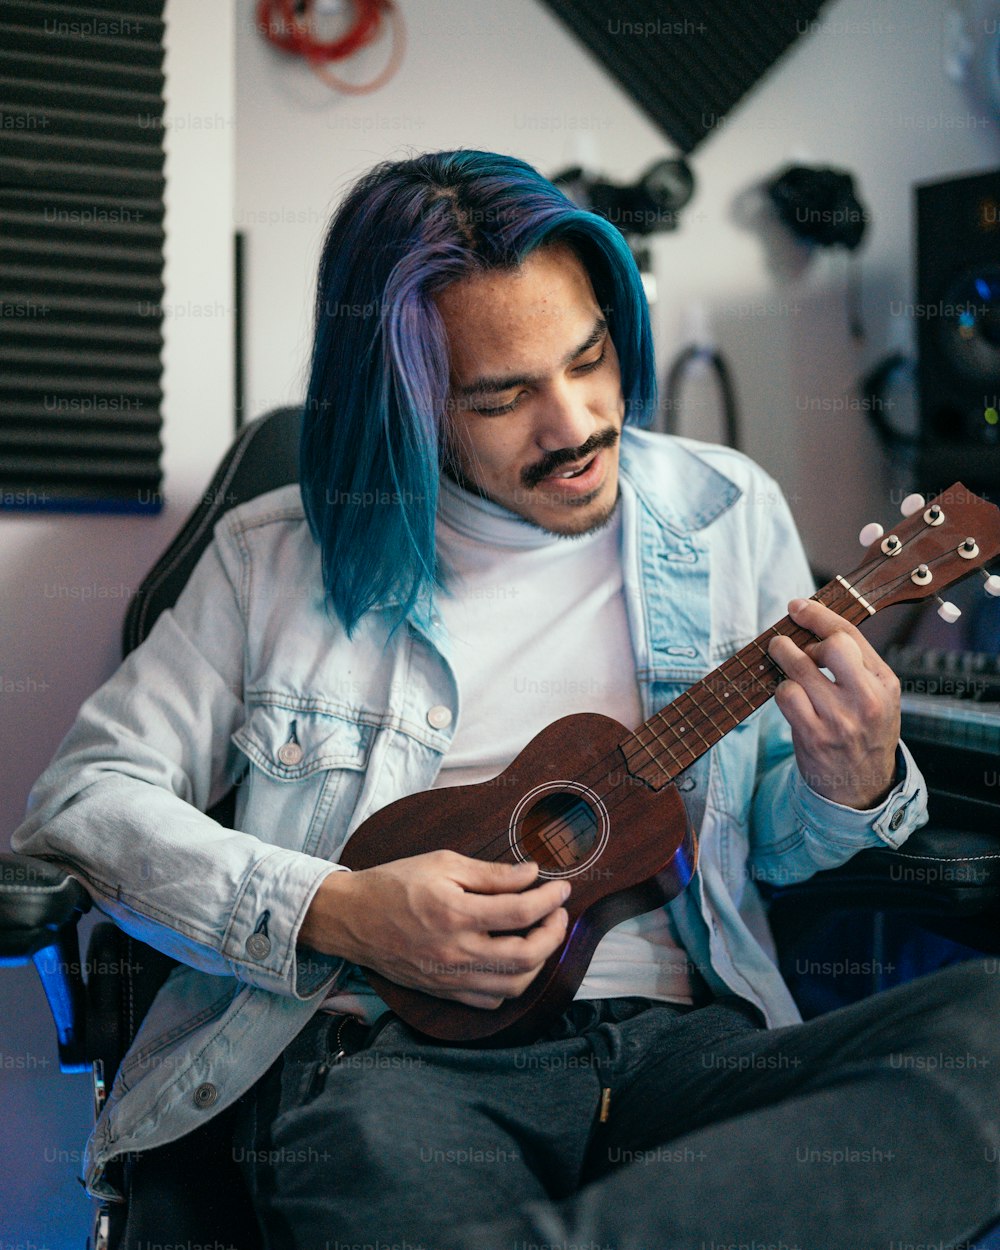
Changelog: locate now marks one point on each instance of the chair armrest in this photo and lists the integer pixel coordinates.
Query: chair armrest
(37, 900)
(40, 905)
(938, 870)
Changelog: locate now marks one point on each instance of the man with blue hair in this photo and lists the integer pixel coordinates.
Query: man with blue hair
(486, 539)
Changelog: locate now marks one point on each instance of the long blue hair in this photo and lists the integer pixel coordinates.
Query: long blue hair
(373, 431)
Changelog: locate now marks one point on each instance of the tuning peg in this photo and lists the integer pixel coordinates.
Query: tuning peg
(911, 504)
(992, 586)
(948, 612)
(870, 533)
(969, 550)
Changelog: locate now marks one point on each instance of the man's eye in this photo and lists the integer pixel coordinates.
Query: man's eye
(497, 412)
(594, 364)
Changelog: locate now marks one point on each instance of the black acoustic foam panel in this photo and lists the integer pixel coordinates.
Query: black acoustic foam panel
(687, 62)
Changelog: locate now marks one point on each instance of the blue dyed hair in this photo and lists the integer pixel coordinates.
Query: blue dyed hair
(373, 433)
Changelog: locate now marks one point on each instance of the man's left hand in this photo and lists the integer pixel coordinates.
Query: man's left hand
(844, 731)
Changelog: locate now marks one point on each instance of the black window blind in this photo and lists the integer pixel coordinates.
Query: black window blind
(81, 255)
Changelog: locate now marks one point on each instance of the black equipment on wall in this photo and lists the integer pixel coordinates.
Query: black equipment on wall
(819, 205)
(957, 314)
(649, 206)
(686, 63)
(239, 336)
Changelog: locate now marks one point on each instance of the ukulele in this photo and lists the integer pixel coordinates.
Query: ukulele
(591, 802)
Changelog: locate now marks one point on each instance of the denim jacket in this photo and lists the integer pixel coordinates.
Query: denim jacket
(250, 680)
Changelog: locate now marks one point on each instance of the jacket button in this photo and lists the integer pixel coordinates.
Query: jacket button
(290, 753)
(205, 1095)
(257, 945)
(439, 717)
(897, 819)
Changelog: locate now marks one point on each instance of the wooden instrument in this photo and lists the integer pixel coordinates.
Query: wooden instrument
(596, 804)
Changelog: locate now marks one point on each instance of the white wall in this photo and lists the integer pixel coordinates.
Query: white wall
(864, 88)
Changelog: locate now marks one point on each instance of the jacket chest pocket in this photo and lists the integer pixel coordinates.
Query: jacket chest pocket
(304, 774)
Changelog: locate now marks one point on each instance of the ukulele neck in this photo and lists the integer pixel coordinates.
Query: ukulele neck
(671, 740)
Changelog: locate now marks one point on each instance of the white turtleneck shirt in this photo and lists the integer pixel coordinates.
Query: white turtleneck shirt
(538, 630)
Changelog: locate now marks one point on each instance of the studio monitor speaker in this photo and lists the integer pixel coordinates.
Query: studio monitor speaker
(958, 329)
(957, 313)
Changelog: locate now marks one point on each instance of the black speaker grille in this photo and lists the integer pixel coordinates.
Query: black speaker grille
(687, 62)
(957, 321)
(81, 255)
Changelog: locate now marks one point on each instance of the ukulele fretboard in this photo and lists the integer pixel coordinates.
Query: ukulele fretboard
(663, 746)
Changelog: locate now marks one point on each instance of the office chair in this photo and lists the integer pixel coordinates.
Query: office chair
(191, 1192)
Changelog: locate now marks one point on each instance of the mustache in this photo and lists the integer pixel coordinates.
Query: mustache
(555, 460)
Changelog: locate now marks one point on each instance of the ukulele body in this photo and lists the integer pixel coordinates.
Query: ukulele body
(568, 802)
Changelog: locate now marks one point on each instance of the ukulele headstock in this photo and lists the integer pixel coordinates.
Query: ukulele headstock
(940, 542)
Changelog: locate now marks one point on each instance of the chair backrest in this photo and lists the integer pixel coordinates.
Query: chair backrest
(264, 456)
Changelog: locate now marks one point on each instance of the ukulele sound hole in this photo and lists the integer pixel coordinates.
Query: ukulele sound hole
(560, 830)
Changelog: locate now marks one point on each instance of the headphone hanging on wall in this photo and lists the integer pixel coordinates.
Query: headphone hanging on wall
(648, 206)
(819, 205)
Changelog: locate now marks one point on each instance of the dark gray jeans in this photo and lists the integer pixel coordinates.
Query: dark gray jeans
(877, 1125)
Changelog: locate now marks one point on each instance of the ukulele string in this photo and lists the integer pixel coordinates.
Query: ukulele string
(836, 594)
(601, 767)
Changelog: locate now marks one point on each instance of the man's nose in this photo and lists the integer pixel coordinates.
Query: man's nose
(565, 420)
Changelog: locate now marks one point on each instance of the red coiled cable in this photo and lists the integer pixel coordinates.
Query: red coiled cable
(290, 25)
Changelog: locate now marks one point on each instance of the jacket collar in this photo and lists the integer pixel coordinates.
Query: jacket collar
(681, 490)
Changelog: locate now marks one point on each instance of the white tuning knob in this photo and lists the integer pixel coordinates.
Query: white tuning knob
(911, 504)
(993, 584)
(870, 533)
(948, 612)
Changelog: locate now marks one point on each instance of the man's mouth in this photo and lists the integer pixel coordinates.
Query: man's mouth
(576, 482)
(573, 472)
(592, 453)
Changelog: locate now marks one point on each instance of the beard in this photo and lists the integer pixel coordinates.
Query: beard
(531, 490)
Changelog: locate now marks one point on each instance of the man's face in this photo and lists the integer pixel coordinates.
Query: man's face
(535, 392)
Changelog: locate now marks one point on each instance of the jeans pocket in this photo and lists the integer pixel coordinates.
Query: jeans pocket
(304, 1064)
(301, 1082)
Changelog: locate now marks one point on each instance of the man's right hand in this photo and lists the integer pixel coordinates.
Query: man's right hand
(442, 923)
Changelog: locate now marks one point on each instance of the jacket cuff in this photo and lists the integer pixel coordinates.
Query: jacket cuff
(902, 810)
(261, 942)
